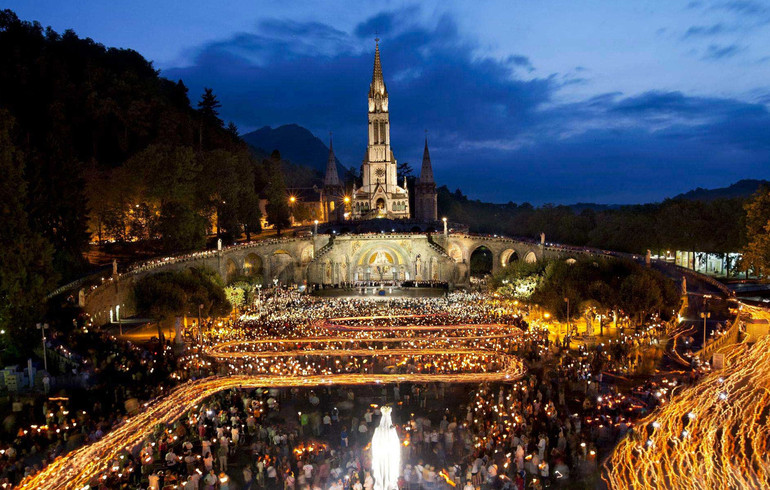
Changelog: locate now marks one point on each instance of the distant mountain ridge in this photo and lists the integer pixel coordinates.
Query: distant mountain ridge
(296, 144)
(742, 188)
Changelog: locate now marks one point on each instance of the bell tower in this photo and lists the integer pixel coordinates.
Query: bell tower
(380, 195)
(380, 167)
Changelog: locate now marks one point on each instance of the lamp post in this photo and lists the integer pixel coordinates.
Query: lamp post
(446, 230)
(292, 200)
(566, 299)
(200, 326)
(346, 208)
(705, 315)
(315, 228)
(42, 327)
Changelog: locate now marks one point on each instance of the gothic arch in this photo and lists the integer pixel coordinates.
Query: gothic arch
(252, 265)
(281, 251)
(481, 261)
(508, 256)
(282, 266)
(231, 270)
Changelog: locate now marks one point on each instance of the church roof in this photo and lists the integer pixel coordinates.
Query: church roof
(331, 179)
(426, 173)
(378, 83)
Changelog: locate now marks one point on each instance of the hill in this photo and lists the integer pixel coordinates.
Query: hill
(296, 144)
(741, 189)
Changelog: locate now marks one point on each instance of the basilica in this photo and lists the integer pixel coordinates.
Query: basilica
(380, 195)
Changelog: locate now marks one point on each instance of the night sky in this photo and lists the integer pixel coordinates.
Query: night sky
(552, 101)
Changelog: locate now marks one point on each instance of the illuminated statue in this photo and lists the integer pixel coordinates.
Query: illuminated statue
(386, 454)
(381, 258)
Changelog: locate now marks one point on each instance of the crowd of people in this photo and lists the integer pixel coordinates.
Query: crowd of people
(105, 380)
(554, 425)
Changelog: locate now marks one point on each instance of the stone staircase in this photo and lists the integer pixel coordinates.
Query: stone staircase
(438, 248)
(323, 250)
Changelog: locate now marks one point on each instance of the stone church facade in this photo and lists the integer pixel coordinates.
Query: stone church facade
(380, 195)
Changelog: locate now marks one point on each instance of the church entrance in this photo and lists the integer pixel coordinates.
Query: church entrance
(380, 205)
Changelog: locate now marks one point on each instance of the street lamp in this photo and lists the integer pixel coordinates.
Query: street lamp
(705, 315)
(566, 299)
(292, 200)
(42, 327)
(200, 325)
(446, 231)
(315, 228)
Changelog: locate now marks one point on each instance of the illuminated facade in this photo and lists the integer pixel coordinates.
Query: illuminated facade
(379, 196)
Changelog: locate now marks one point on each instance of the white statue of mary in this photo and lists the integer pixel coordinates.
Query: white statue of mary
(386, 454)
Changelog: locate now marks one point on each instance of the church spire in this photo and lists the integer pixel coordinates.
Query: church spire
(378, 82)
(331, 179)
(426, 174)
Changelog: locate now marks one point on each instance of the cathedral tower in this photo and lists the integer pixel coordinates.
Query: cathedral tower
(426, 202)
(332, 194)
(380, 194)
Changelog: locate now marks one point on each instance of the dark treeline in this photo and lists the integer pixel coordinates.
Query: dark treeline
(606, 286)
(703, 226)
(111, 150)
(93, 143)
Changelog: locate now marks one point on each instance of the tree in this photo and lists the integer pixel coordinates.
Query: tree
(169, 294)
(604, 285)
(232, 129)
(181, 228)
(756, 252)
(405, 170)
(207, 107)
(278, 211)
(26, 268)
(78, 106)
(640, 296)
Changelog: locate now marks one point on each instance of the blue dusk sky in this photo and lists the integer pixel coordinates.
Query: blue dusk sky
(539, 101)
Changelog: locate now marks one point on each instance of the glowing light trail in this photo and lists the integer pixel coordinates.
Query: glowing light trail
(712, 435)
(87, 464)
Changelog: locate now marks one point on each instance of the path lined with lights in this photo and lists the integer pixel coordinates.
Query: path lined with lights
(87, 464)
(712, 435)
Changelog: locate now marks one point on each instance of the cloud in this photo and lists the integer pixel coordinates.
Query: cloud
(381, 24)
(743, 7)
(706, 31)
(718, 52)
(520, 61)
(493, 133)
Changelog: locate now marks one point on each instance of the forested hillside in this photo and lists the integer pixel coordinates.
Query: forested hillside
(675, 224)
(109, 145)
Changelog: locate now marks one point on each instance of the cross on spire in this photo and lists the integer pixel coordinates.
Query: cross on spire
(378, 83)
